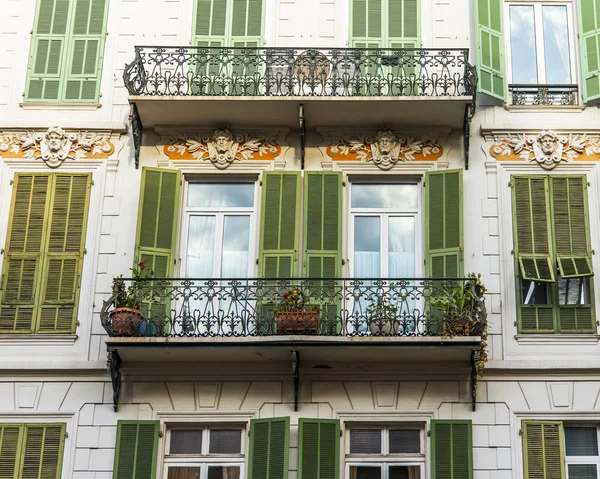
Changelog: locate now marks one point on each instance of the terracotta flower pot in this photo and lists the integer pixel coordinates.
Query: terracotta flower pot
(125, 320)
(297, 321)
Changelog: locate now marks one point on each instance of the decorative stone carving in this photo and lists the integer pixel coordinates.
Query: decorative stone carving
(221, 148)
(385, 149)
(55, 146)
(547, 148)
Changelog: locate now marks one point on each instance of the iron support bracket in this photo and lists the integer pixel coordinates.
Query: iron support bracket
(114, 364)
(296, 372)
(469, 112)
(302, 134)
(475, 354)
(136, 131)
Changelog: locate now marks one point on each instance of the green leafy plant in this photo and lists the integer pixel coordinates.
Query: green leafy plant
(131, 298)
(294, 300)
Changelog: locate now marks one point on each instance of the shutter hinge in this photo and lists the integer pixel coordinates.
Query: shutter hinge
(520, 432)
(593, 251)
(256, 260)
(92, 183)
(66, 435)
(589, 184)
(84, 250)
(512, 252)
(160, 434)
(12, 182)
(2, 251)
(260, 183)
(343, 183)
(429, 433)
(340, 433)
(515, 323)
(510, 184)
(343, 261)
(77, 323)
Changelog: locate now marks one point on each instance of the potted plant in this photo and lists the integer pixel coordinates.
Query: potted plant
(382, 316)
(292, 313)
(126, 316)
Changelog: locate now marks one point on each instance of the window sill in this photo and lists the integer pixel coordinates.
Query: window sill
(38, 339)
(558, 339)
(544, 108)
(34, 105)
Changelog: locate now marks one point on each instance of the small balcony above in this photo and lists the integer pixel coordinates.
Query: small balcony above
(544, 95)
(189, 86)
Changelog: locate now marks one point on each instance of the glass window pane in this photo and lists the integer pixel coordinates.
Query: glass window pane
(186, 441)
(404, 472)
(221, 194)
(581, 441)
(556, 44)
(535, 292)
(371, 195)
(365, 441)
(367, 241)
(522, 43)
(582, 471)
(401, 247)
(223, 472)
(201, 247)
(405, 441)
(225, 441)
(365, 472)
(236, 244)
(573, 290)
(184, 473)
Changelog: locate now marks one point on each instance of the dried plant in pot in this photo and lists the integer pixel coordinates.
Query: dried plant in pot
(294, 315)
(127, 316)
(382, 316)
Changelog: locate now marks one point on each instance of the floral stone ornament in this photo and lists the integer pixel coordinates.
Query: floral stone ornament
(547, 148)
(384, 149)
(222, 148)
(55, 146)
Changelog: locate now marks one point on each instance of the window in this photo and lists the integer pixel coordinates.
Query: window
(552, 254)
(389, 452)
(44, 252)
(581, 451)
(32, 450)
(67, 49)
(206, 452)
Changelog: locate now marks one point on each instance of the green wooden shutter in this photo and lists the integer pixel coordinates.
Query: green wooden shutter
(10, 449)
(543, 449)
(42, 451)
(86, 50)
(210, 23)
(48, 46)
(63, 262)
(269, 448)
(22, 268)
(279, 224)
(136, 449)
(318, 448)
(247, 23)
(490, 48)
(444, 224)
(589, 25)
(367, 23)
(403, 23)
(451, 449)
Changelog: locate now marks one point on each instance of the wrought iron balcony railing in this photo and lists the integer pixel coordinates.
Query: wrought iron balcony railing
(283, 72)
(544, 94)
(321, 307)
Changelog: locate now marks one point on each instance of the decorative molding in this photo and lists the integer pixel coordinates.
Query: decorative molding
(222, 148)
(546, 148)
(54, 146)
(384, 149)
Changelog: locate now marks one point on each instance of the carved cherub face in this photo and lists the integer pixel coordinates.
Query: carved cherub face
(222, 141)
(385, 142)
(547, 143)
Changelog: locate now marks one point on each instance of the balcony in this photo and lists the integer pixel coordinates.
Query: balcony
(336, 87)
(544, 95)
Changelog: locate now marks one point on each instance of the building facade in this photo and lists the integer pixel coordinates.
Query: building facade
(299, 239)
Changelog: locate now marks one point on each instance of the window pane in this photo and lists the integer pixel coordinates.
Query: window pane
(404, 472)
(186, 441)
(221, 194)
(223, 472)
(581, 441)
(236, 241)
(201, 247)
(535, 292)
(365, 441)
(401, 244)
(556, 44)
(522, 42)
(371, 195)
(573, 290)
(405, 441)
(184, 473)
(225, 441)
(366, 246)
(365, 472)
(582, 471)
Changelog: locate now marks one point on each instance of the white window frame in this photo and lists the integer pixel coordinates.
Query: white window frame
(539, 38)
(582, 459)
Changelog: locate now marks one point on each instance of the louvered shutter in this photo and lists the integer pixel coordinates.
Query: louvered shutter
(86, 50)
(543, 449)
(68, 208)
(490, 48)
(451, 449)
(269, 448)
(589, 24)
(444, 224)
(367, 22)
(572, 247)
(533, 247)
(136, 449)
(10, 449)
(42, 451)
(48, 46)
(22, 269)
(247, 23)
(210, 22)
(279, 224)
(318, 448)
(403, 23)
